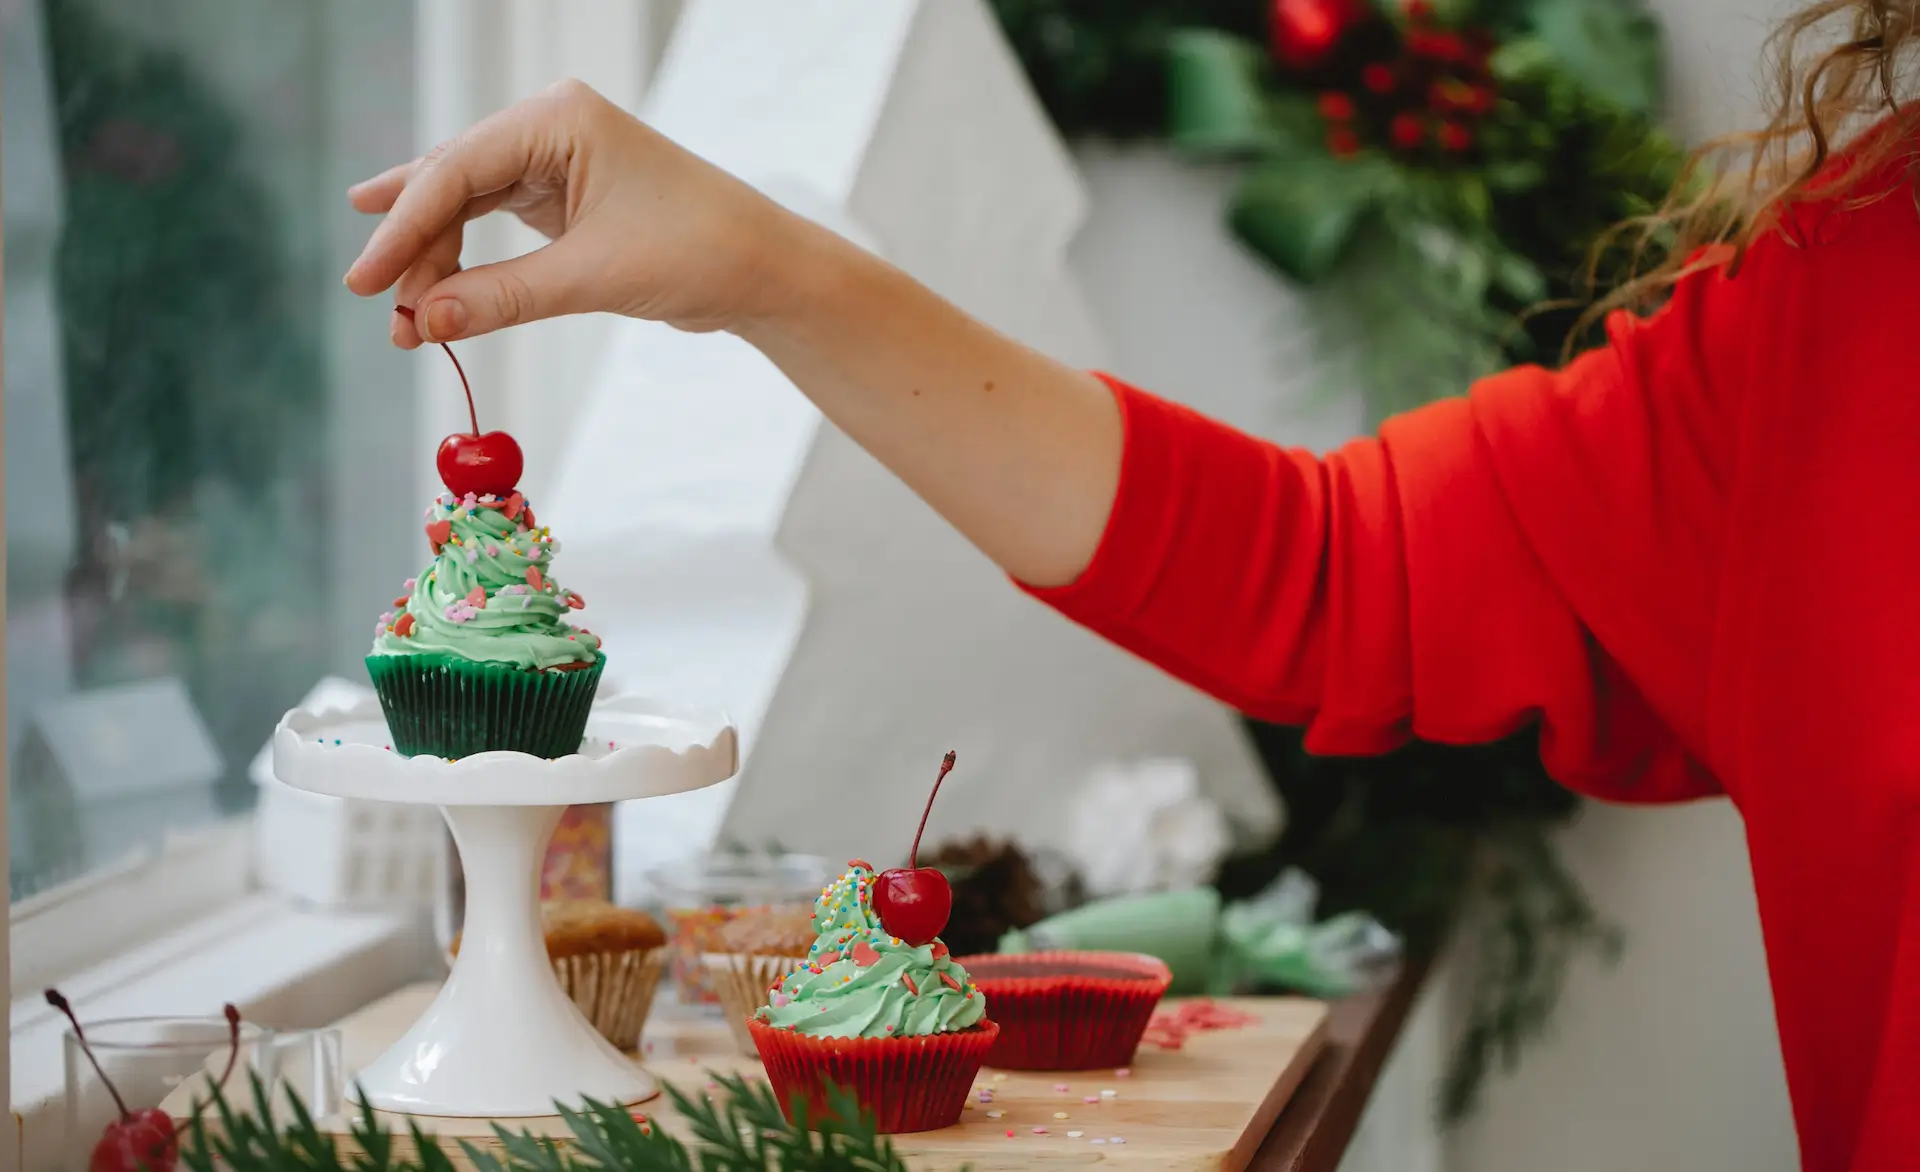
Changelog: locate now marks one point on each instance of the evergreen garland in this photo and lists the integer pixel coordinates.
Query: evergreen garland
(741, 1130)
(1437, 177)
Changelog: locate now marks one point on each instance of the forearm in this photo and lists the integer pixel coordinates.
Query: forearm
(1017, 451)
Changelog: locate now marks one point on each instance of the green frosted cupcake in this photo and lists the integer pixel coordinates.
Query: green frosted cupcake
(478, 657)
(899, 1026)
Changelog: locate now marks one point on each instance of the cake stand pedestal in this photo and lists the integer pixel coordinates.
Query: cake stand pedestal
(502, 1039)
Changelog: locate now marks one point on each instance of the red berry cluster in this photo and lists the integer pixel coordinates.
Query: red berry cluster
(1429, 96)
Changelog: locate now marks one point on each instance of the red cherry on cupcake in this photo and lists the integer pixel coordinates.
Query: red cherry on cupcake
(480, 464)
(914, 902)
(147, 1140)
(474, 462)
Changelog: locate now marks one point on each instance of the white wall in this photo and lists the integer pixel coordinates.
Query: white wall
(1670, 1059)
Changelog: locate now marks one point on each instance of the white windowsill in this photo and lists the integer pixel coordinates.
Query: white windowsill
(282, 965)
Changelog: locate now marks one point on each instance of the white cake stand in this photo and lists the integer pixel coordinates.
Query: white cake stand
(502, 1039)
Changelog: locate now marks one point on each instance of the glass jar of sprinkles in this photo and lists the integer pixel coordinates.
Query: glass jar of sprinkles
(700, 895)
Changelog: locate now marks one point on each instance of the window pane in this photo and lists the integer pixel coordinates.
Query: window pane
(201, 499)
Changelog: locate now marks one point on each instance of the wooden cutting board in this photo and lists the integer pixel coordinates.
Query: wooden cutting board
(1207, 1105)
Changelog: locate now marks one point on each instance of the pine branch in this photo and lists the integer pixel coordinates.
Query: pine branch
(1534, 921)
(740, 1129)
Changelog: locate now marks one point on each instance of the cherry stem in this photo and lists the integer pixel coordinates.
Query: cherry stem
(233, 1056)
(61, 1003)
(946, 767)
(473, 416)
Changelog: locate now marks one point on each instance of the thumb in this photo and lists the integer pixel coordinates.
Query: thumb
(548, 282)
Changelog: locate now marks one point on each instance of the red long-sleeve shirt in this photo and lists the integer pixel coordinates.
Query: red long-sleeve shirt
(1692, 557)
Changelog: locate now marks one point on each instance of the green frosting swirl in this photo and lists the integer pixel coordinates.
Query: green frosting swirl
(860, 982)
(514, 619)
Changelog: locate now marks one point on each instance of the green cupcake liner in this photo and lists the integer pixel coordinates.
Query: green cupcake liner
(444, 706)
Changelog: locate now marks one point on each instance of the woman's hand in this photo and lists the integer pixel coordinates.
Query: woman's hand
(637, 226)
(1018, 452)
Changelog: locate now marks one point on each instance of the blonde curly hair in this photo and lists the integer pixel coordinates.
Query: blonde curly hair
(1839, 69)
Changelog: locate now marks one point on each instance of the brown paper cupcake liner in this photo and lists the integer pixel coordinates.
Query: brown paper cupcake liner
(614, 989)
(741, 981)
(1068, 1010)
(909, 1084)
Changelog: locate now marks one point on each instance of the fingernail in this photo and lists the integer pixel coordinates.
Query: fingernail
(393, 329)
(444, 319)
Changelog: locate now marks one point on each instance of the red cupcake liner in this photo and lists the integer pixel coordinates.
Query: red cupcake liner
(1068, 1010)
(909, 1084)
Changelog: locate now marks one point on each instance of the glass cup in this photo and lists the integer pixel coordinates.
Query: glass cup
(175, 1064)
(701, 895)
(307, 1064)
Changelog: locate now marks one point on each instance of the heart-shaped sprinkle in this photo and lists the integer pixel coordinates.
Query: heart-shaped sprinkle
(438, 532)
(514, 504)
(864, 955)
(400, 601)
(947, 979)
(535, 579)
(575, 602)
(405, 625)
(477, 596)
(827, 958)
(528, 512)
(939, 949)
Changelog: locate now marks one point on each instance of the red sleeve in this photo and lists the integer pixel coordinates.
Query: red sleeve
(1545, 549)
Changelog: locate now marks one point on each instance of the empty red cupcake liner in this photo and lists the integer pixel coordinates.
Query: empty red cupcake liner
(1068, 1010)
(909, 1084)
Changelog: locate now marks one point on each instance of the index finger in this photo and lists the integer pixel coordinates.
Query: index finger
(491, 156)
(377, 194)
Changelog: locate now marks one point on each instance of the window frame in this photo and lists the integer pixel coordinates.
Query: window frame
(128, 934)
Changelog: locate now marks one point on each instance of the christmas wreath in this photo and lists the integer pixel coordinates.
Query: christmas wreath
(1441, 178)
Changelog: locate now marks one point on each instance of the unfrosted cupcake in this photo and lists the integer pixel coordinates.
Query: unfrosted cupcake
(901, 1026)
(608, 959)
(476, 655)
(1070, 1010)
(751, 953)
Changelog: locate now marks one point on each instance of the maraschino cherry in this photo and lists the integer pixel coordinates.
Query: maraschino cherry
(914, 902)
(147, 1140)
(472, 462)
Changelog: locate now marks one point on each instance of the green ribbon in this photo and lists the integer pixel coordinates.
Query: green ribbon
(1268, 941)
(1297, 207)
(1216, 102)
